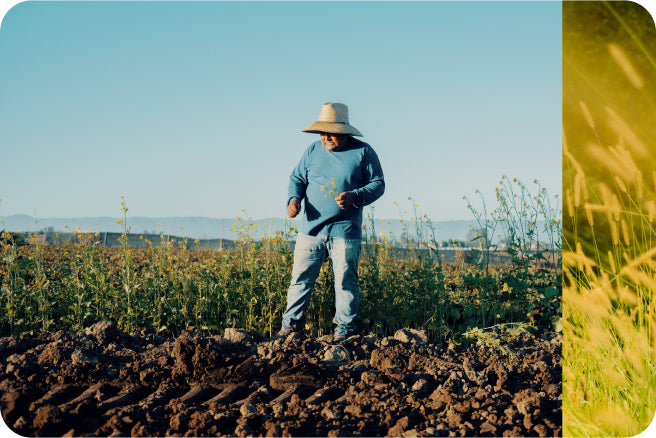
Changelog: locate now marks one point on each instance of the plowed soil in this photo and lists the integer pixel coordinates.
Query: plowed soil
(106, 383)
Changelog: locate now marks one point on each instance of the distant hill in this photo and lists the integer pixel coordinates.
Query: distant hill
(208, 228)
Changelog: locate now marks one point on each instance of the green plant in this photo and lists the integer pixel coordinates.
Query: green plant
(127, 321)
(487, 224)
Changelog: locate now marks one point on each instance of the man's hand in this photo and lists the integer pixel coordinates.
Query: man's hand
(344, 200)
(293, 208)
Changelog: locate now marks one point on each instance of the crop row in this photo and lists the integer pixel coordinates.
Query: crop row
(168, 288)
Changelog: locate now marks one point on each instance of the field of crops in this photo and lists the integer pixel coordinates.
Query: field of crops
(168, 288)
(404, 282)
(191, 330)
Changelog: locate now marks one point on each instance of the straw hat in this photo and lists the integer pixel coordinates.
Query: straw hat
(333, 118)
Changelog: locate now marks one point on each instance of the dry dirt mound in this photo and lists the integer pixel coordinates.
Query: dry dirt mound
(105, 383)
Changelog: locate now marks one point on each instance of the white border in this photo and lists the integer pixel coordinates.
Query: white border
(6, 5)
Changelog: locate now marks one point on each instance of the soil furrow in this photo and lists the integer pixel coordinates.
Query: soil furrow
(241, 385)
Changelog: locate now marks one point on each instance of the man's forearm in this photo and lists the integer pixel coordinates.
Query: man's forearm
(369, 193)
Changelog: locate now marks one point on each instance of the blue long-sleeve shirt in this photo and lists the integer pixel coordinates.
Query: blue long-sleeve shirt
(354, 168)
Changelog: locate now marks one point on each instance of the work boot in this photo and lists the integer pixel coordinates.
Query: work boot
(287, 331)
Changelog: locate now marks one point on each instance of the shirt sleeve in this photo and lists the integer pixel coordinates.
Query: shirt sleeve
(374, 181)
(298, 180)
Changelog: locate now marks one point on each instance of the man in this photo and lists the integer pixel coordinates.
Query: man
(336, 177)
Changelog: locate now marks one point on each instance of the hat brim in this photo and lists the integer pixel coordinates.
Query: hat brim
(332, 128)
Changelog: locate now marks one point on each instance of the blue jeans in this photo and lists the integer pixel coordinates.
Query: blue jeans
(309, 254)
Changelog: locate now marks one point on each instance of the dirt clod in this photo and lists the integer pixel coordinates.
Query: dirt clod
(104, 332)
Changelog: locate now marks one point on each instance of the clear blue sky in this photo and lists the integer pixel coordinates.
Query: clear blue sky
(196, 109)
